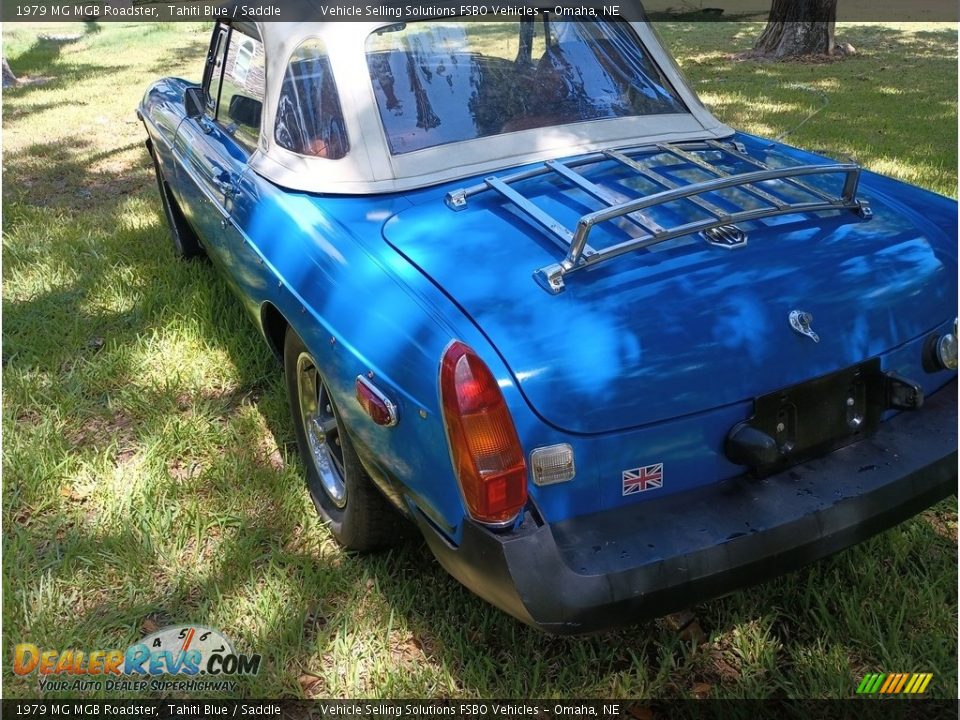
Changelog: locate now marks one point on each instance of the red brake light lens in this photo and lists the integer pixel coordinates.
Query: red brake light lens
(486, 452)
(375, 403)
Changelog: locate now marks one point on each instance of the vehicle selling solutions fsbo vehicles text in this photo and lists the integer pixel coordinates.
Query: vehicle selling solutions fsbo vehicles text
(477, 10)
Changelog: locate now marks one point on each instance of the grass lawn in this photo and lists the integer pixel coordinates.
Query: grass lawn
(149, 471)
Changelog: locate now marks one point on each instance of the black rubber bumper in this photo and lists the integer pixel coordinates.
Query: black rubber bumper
(623, 566)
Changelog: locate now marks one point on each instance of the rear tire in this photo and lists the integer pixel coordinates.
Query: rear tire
(357, 514)
(186, 244)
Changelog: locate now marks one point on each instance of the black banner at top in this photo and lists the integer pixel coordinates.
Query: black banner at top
(408, 10)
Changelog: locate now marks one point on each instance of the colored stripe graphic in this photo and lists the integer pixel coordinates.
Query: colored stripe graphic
(894, 683)
(901, 682)
(876, 683)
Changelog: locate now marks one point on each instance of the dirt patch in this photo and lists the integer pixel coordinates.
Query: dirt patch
(817, 59)
(29, 416)
(154, 621)
(687, 627)
(267, 452)
(99, 432)
(314, 621)
(183, 470)
(943, 523)
(233, 398)
(312, 685)
(408, 650)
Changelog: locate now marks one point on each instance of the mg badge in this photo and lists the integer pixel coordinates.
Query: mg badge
(800, 321)
(725, 236)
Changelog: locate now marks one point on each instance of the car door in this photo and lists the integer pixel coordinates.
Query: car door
(196, 150)
(239, 119)
(215, 147)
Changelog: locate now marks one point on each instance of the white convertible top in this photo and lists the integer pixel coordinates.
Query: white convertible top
(369, 166)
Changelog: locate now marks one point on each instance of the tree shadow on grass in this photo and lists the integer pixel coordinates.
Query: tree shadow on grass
(882, 106)
(193, 52)
(74, 176)
(42, 66)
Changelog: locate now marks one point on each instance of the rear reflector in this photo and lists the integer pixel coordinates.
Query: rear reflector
(377, 405)
(552, 464)
(484, 447)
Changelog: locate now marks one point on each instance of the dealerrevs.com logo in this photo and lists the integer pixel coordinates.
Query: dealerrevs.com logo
(189, 651)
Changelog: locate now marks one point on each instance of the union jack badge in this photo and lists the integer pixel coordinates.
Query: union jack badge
(642, 479)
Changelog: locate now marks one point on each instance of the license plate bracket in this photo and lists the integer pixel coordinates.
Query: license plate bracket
(821, 415)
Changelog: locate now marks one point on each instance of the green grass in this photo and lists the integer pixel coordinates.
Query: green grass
(149, 472)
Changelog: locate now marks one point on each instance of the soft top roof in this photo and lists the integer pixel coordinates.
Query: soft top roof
(369, 167)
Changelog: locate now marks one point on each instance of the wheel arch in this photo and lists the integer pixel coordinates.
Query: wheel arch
(274, 327)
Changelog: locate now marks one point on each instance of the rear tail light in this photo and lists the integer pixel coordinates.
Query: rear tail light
(486, 452)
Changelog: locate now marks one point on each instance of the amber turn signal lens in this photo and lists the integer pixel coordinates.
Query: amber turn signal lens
(484, 446)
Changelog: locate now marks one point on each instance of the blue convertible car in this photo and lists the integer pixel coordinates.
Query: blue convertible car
(610, 356)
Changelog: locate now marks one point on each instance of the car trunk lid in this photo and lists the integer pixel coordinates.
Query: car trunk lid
(682, 326)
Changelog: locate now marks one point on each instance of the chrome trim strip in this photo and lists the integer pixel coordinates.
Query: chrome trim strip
(381, 396)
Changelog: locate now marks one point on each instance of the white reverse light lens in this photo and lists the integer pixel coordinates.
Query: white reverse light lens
(552, 464)
(947, 349)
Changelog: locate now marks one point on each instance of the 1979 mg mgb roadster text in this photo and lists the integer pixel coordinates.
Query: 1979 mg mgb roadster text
(610, 356)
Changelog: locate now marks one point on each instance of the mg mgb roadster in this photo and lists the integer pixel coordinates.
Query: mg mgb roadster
(609, 356)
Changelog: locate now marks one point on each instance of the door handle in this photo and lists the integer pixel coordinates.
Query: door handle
(224, 181)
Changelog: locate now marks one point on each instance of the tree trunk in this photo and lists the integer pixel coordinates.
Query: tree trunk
(796, 28)
(8, 77)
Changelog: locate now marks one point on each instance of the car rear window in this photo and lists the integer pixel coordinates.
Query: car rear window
(309, 118)
(439, 82)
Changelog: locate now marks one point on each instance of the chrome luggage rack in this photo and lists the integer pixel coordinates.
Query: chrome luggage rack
(580, 255)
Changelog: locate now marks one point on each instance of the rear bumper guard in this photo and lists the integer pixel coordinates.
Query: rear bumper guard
(622, 566)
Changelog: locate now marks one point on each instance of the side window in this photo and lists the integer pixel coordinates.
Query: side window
(214, 72)
(309, 118)
(241, 97)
